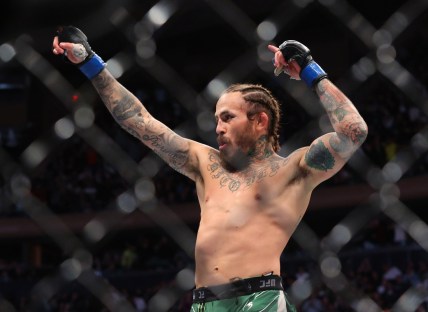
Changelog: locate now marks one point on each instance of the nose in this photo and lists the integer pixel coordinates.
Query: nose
(220, 127)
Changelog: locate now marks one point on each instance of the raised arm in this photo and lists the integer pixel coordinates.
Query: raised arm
(127, 110)
(328, 153)
(131, 115)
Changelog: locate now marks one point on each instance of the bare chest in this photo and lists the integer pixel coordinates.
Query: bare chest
(252, 188)
(249, 180)
(235, 199)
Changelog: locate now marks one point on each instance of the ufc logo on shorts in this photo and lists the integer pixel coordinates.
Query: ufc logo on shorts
(267, 283)
(200, 294)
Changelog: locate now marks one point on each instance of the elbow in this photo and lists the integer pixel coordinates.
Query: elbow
(360, 133)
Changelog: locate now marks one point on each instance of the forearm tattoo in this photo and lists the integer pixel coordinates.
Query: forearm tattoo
(134, 118)
(123, 106)
(350, 128)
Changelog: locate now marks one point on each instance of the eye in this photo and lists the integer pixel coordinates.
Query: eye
(227, 117)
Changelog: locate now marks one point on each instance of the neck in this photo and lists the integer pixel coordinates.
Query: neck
(261, 150)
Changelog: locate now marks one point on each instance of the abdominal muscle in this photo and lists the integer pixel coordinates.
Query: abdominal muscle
(237, 244)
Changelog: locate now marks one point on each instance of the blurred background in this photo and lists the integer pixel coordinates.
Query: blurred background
(91, 220)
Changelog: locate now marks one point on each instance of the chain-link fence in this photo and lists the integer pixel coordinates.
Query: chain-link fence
(71, 177)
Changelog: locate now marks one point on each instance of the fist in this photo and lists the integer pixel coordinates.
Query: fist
(295, 59)
(74, 52)
(294, 50)
(290, 67)
(73, 44)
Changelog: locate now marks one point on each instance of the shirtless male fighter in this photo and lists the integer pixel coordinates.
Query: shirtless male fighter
(251, 199)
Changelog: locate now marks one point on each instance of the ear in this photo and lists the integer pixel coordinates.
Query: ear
(263, 120)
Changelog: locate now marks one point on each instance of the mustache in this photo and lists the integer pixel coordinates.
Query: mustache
(222, 140)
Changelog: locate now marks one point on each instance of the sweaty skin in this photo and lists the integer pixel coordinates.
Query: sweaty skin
(251, 199)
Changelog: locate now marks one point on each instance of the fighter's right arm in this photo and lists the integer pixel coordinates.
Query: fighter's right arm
(178, 152)
(131, 114)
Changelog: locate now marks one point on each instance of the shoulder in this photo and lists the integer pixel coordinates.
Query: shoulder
(205, 152)
(196, 156)
(206, 156)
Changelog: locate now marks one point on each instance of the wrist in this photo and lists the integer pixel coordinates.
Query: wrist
(312, 73)
(93, 66)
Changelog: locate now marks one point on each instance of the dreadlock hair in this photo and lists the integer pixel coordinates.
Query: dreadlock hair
(261, 99)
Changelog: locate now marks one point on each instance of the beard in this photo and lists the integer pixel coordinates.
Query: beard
(234, 160)
(239, 156)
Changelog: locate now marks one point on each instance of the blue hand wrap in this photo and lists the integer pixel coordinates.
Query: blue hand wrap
(92, 67)
(312, 73)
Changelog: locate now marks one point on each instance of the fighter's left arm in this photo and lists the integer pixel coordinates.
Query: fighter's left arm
(329, 153)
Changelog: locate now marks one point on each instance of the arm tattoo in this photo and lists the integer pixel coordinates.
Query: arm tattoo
(102, 81)
(319, 157)
(169, 148)
(134, 118)
(125, 108)
(118, 100)
(350, 128)
(340, 113)
(340, 143)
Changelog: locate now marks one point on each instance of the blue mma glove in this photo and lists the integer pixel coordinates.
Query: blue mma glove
(92, 64)
(311, 73)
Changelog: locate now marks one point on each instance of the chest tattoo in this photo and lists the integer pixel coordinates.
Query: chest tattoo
(244, 179)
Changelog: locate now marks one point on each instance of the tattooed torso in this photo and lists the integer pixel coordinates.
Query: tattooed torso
(247, 215)
(233, 181)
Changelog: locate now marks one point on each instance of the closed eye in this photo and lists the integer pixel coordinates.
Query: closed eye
(226, 117)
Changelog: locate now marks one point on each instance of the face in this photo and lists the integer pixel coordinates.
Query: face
(236, 134)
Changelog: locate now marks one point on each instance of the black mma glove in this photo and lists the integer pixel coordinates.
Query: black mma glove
(92, 64)
(311, 73)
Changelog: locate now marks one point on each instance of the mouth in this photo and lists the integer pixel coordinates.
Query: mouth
(221, 144)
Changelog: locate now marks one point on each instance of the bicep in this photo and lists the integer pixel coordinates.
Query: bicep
(325, 156)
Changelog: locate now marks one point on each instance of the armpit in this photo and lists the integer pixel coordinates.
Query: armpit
(299, 174)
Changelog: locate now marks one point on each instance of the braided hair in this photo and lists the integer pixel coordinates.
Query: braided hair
(261, 99)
